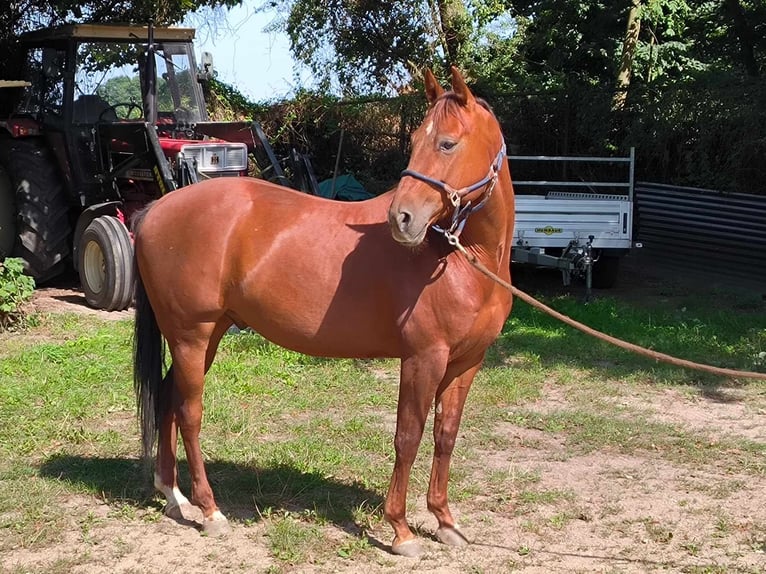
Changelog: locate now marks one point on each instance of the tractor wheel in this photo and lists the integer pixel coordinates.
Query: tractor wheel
(42, 214)
(7, 215)
(605, 272)
(106, 264)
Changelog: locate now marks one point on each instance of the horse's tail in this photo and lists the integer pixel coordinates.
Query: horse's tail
(148, 365)
(148, 355)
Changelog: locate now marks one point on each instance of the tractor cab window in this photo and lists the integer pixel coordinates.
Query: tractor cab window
(107, 87)
(177, 88)
(45, 70)
(111, 79)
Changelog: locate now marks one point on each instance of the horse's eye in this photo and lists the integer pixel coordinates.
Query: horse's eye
(447, 145)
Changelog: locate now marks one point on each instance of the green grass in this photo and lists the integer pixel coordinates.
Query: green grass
(299, 442)
(294, 541)
(721, 331)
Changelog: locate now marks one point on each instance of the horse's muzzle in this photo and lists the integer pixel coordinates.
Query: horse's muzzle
(406, 228)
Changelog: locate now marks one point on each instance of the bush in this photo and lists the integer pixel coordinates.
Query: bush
(15, 290)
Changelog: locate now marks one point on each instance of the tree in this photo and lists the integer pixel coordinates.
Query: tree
(454, 28)
(628, 52)
(358, 46)
(19, 16)
(363, 46)
(745, 35)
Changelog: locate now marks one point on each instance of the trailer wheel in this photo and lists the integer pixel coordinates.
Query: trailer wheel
(605, 272)
(106, 264)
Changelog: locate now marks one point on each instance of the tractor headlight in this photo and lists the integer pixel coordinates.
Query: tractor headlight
(217, 159)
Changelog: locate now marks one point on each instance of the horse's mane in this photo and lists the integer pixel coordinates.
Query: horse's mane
(449, 104)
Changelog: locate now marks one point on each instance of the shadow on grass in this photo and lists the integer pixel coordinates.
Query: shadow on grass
(243, 492)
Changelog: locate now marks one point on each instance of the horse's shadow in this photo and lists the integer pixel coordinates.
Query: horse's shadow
(244, 493)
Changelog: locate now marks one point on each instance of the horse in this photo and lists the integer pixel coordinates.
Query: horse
(376, 278)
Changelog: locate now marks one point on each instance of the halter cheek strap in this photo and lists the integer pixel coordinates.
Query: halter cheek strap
(455, 196)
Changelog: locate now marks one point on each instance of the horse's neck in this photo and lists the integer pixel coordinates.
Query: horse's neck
(490, 229)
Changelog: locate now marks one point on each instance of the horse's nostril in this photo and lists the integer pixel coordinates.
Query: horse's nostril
(403, 219)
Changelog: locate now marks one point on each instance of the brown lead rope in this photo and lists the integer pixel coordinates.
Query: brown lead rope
(453, 240)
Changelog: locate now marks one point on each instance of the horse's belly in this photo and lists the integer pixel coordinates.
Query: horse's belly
(329, 338)
(318, 318)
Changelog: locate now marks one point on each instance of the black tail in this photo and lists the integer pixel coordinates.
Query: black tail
(148, 364)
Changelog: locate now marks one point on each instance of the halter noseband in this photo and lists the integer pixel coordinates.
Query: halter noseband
(461, 213)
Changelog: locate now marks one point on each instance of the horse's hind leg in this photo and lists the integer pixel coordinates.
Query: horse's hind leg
(166, 469)
(191, 360)
(450, 399)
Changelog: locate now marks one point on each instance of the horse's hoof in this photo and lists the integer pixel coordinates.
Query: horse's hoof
(216, 526)
(451, 536)
(409, 548)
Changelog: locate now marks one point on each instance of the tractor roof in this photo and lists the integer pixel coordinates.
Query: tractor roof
(105, 32)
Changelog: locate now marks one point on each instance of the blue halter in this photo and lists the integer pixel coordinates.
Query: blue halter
(461, 213)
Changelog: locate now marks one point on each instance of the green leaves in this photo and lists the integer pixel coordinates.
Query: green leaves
(360, 47)
(15, 290)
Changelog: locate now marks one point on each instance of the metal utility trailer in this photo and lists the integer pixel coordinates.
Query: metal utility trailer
(583, 232)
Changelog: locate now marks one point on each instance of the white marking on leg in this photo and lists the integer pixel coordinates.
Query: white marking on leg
(173, 494)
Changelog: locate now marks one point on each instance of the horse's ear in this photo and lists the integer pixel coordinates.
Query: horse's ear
(464, 95)
(433, 88)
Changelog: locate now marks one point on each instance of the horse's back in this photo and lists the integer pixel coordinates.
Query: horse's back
(209, 219)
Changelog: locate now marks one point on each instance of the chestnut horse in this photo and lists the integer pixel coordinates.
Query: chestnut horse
(327, 278)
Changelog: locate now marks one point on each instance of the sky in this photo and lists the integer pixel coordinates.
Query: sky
(256, 62)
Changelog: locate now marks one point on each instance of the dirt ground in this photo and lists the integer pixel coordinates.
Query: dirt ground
(64, 295)
(628, 513)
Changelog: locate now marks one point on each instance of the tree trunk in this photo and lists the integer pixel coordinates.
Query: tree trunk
(455, 29)
(744, 34)
(628, 52)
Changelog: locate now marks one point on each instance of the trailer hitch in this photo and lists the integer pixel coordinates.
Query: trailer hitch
(581, 260)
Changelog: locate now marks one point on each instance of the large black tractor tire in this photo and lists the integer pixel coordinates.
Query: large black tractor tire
(605, 272)
(106, 264)
(7, 215)
(42, 223)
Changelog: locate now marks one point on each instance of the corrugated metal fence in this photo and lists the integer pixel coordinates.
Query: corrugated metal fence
(702, 230)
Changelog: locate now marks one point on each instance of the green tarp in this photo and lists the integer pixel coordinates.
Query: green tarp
(346, 188)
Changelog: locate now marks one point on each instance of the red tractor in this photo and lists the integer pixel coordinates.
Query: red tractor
(106, 119)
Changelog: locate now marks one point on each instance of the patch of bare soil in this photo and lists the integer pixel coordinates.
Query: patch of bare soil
(614, 512)
(65, 295)
(610, 512)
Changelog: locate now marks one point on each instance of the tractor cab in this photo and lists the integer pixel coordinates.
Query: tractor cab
(106, 119)
(87, 73)
(94, 89)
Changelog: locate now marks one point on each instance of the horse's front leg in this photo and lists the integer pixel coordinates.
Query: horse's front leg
(450, 399)
(420, 377)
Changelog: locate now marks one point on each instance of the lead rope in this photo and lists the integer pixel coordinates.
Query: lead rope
(471, 258)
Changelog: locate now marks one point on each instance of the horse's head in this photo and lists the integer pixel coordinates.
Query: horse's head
(456, 154)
